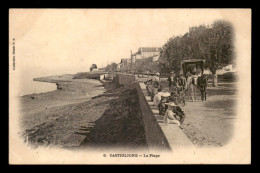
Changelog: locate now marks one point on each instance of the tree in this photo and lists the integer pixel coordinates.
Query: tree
(125, 68)
(221, 47)
(111, 67)
(171, 55)
(92, 67)
(144, 65)
(213, 43)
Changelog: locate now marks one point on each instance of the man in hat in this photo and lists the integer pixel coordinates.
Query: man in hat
(156, 84)
(181, 83)
(173, 112)
(158, 97)
(172, 81)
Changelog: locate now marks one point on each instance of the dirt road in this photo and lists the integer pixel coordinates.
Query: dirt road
(210, 123)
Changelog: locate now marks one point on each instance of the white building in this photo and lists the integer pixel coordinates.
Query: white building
(146, 52)
(230, 68)
(124, 62)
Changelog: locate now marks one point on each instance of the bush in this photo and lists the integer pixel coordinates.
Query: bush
(230, 76)
(88, 75)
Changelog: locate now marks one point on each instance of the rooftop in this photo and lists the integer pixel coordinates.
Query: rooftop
(125, 60)
(149, 49)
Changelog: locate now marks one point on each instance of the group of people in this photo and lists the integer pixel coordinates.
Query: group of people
(177, 83)
(166, 101)
(169, 108)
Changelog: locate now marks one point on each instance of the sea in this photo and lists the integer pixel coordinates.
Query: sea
(35, 87)
(28, 86)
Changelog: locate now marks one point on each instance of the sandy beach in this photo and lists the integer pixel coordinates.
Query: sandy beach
(81, 114)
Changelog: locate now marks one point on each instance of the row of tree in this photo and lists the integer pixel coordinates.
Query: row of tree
(139, 67)
(213, 43)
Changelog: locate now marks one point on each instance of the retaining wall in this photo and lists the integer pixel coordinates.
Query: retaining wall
(124, 79)
(154, 135)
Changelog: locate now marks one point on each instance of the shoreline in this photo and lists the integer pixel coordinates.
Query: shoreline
(41, 92)
(70, 91)
(64, 118)
(55, 79)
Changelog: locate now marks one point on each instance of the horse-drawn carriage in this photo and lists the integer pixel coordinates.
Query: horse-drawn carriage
(193, 71)
(187, 66)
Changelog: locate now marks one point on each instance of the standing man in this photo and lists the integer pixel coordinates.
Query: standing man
(202, 84)
(182, 83)
(156, 80)
(155, 84)
(172, 82)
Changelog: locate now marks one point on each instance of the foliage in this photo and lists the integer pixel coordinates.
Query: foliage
(93, 66)
(111, 67)
(143, 66)
(125, 68)
(213, 43)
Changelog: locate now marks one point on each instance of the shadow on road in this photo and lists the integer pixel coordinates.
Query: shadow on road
(223, 104)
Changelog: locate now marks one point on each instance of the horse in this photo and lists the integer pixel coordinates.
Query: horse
(192, 86)
(202, 85)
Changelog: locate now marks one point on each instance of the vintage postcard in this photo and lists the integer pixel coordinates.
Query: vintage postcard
(130, 86)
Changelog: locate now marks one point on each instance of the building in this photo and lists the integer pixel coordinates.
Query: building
(146, 52)
(230, 67)
(136, 56)
(124, 62)
(156, 58)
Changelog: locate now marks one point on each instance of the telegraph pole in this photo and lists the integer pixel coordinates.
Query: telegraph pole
(131, 61)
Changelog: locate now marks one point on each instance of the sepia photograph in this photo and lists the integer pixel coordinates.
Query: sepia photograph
(129, 86)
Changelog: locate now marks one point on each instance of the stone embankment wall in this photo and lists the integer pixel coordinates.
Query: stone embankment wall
(124, 79)
(155, 137)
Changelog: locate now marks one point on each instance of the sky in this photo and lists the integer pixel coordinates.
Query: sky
(56, 41)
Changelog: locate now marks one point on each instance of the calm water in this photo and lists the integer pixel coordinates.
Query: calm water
(34, 87)
(28, 86)
(26, 73)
